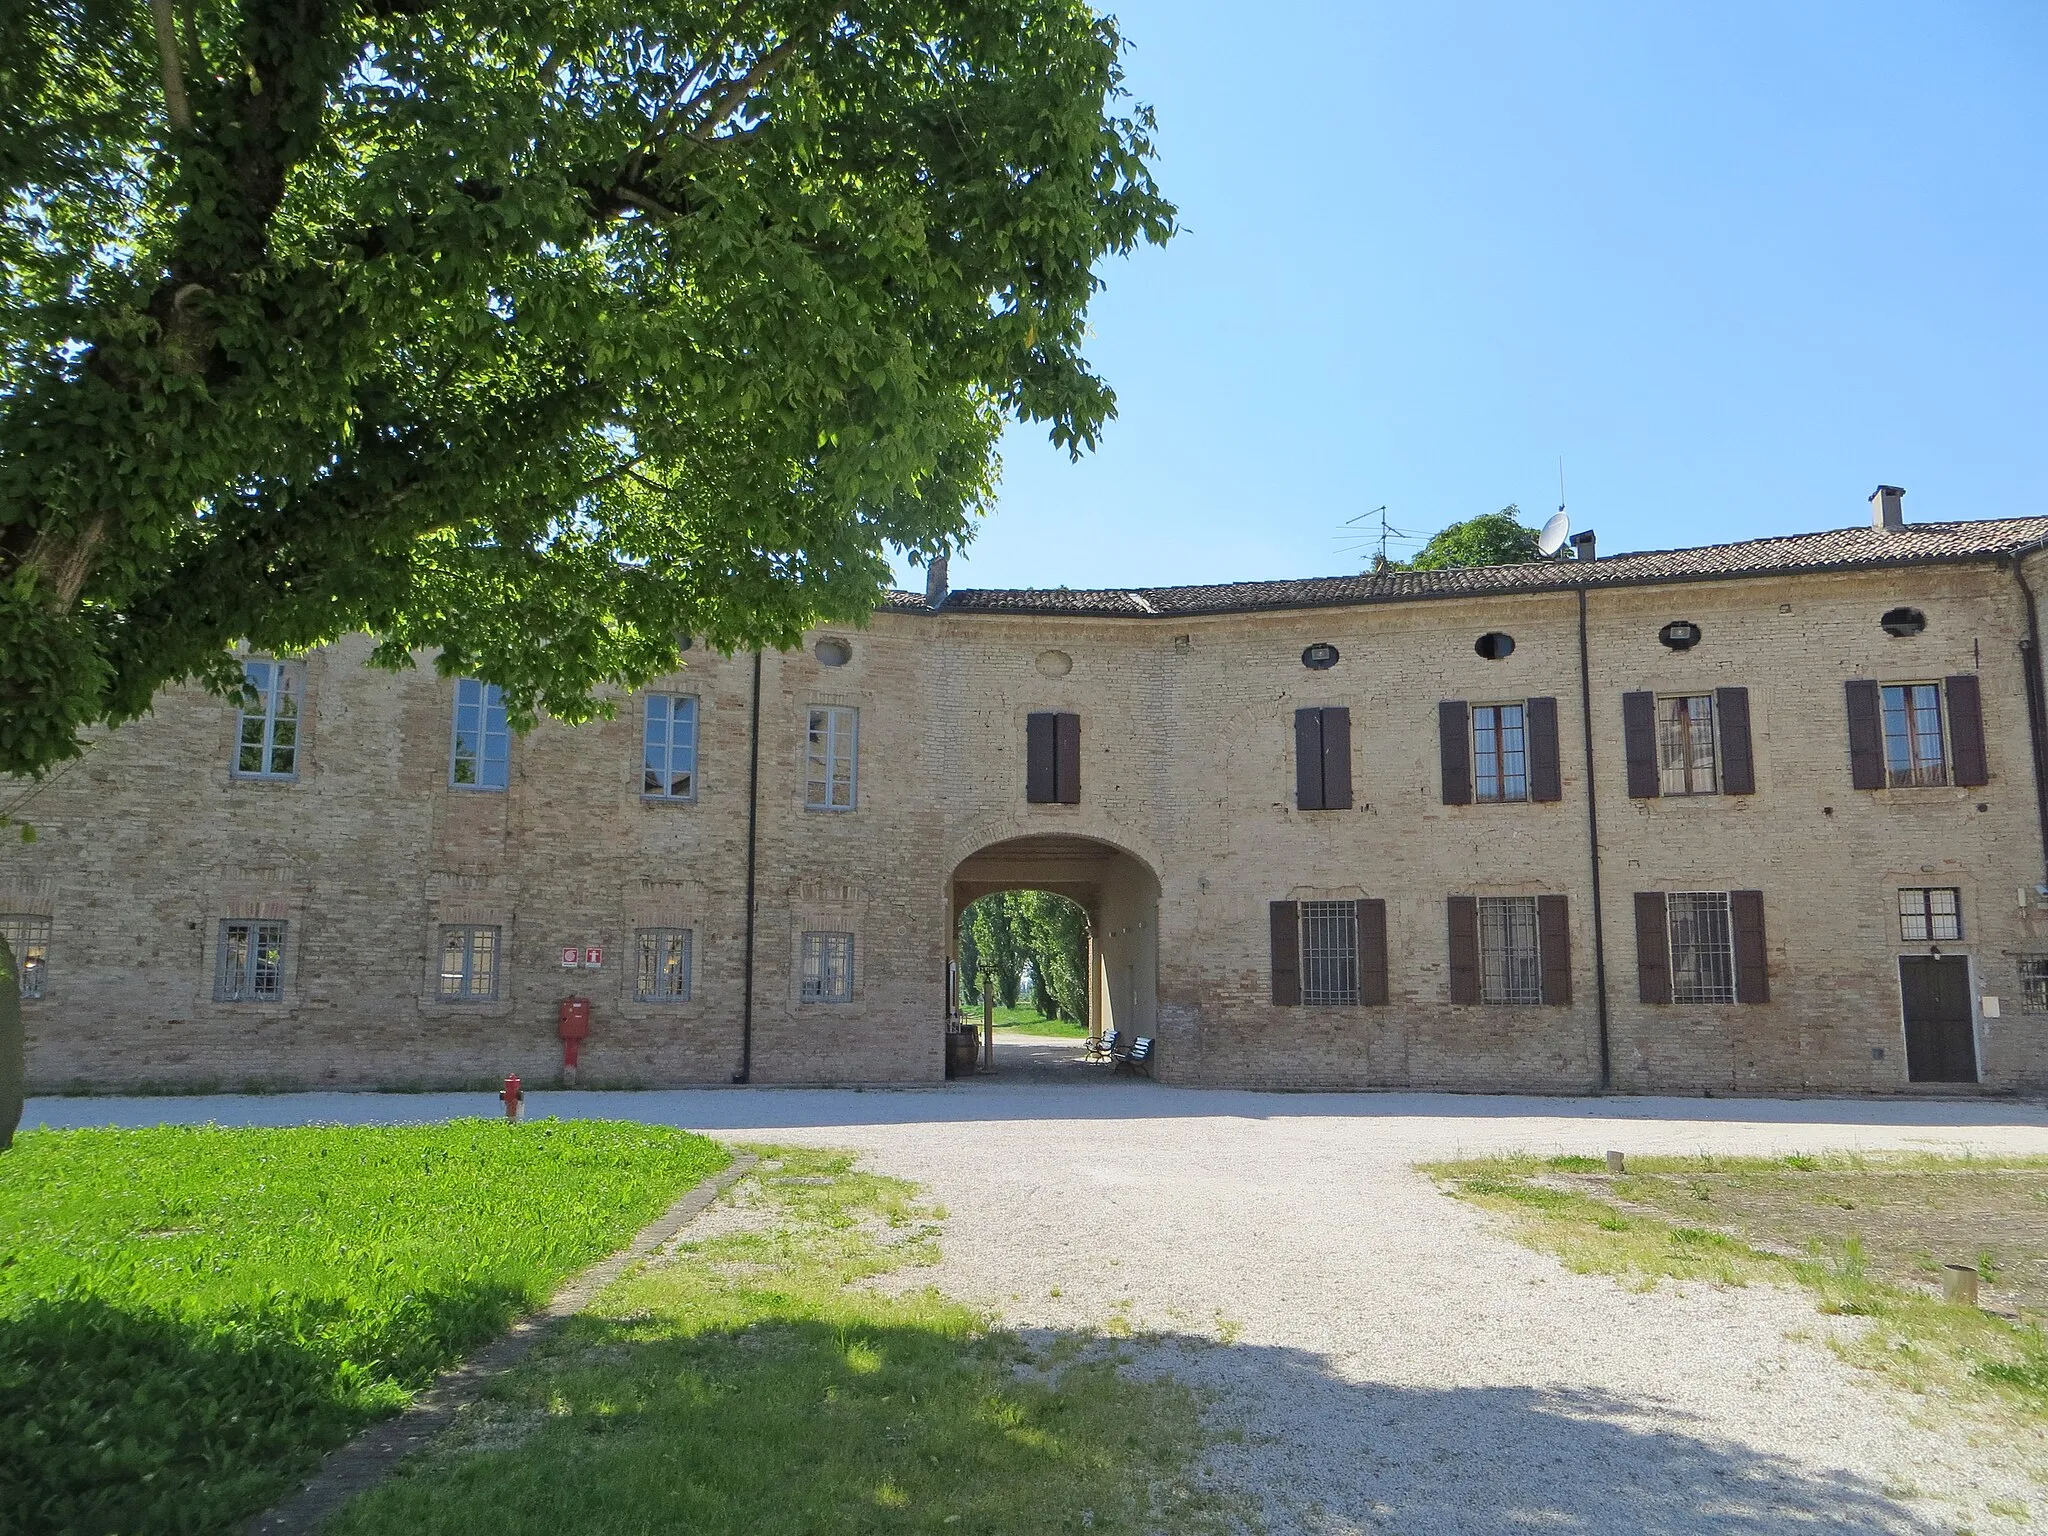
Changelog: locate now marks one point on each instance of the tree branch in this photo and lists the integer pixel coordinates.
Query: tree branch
(175, 104)
(734, 96)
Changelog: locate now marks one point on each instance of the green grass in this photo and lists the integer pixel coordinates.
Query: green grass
(1794, 1220)
(1029, 1021)
(762, 1382)
(189, 1317)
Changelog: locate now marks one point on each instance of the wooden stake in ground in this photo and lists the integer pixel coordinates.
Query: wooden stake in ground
(13, 1057)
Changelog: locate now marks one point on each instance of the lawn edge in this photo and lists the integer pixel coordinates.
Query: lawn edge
(374, 1453)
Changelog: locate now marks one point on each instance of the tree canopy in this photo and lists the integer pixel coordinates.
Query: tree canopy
(1494, 538)
(540, 336)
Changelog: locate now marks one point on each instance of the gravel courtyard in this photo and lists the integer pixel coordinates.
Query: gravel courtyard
(1383, 1359)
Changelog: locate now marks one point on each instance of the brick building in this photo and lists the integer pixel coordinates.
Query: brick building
(1755, 817)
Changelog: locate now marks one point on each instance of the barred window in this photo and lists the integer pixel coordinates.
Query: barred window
(1702, 947)
(28, 936)
(1912, 735)
(250, 967)
(1329, 954)
(1926, 913)
(481, 753)
(1500, 762)
(664, 971)
(829, 759)
(828, 968)
(668, 751)
(2033, 983)
(469, 964)
(1685, 745)
(1510, 964)
(267, 726)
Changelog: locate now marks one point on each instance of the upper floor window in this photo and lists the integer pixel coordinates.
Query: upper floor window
(1510, 959)
(663, 975)
(1930, 913)
(482, 749)
(829, 753)
(1685, 745)
(668, 750)
(1052, 758)
(1913, 754)
(1500, 759)
(469, 964)
(28, 936)
(828, 968)
(250, 966)
(267, 727)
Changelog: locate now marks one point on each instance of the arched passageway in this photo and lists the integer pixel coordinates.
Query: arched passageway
(1117, 890)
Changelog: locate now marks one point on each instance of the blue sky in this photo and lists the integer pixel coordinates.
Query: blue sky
(1735, 264)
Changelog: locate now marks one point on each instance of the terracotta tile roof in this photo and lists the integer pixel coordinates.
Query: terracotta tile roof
(1835, 549)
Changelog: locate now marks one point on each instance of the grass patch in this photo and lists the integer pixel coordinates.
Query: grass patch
(1030, 1021)
(783, 1374)
(1866, 1234)
(190, 1316)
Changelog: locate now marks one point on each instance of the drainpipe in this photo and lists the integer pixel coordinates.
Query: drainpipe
(1593, 847)
(745, 1073)
(2037, 704)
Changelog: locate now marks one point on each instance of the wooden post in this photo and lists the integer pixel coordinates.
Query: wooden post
(1616, 1163)
(1959, 1284)
(988, 1028)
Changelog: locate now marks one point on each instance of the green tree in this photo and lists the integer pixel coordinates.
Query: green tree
(540, 335)
(997, 954)
(1054, 933)
(1496, 538)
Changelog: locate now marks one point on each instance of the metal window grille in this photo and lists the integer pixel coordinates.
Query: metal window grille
(1510, 964)
(1702, 947)
(664, 970)
(669, 747)
(267, 726)
(829, 759)
(250, 967)
(2034, 983)
(1912, 735)
(28, 936)
(828, 968)
(1329, 954)
(1500, 760)
(1685, 745)
(1930, 913)
(469, 964)
(481, 753)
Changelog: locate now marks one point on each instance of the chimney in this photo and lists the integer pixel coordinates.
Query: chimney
(1583, 545)
(1887, 508)
(935, 582)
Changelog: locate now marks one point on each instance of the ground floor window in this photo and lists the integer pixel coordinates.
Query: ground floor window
(28, 936)
(664, 970)
(469, 964)
(1702, 947)
(1510, 963)
(2034, 983)
(1329, 954)
(251, 964)
(828, 968)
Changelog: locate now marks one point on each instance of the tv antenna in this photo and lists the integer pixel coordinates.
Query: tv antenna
(1374, 538)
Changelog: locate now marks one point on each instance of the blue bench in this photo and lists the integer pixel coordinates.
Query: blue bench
(1139, 1055)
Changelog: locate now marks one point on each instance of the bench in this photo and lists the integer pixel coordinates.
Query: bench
(1139, 1055)
(1101, 1047)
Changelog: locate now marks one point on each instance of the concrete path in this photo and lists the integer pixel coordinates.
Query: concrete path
(1383, 1358)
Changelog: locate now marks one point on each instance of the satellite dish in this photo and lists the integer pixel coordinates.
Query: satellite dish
(1551, 539)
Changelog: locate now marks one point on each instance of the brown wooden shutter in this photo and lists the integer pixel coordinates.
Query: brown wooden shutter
(1041, 761)
(1738, 765)
(1966, 730)
(1067, 756)
(1653, 948)
(1554, 948)
(1545, 780)
(1336, 758)
(1464, 930)
(1286, 921)
(1372, 953)
(1308, 759)
(1454, 747)
(1866, 735)
(1639, 743)
(1752, 970)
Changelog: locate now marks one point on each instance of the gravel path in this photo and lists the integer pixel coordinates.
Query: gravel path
(1394, 1363)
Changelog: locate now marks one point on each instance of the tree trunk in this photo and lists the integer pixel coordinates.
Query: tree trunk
(13, 1059)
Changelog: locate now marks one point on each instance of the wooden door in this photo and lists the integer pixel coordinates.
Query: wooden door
(1941, 1044)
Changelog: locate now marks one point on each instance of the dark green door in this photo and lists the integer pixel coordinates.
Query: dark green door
(1941, 1044)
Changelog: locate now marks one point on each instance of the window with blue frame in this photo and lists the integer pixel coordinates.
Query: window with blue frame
(668, 750)
(481, 753)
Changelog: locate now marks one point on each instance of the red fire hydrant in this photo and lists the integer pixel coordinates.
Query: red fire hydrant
(572, 1023)
(513, 1096)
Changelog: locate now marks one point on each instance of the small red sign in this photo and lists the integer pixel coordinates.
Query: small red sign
(592, 958)
(569, 958)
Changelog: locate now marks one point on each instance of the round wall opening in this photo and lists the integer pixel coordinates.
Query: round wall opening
(832, 653)
(1319, 657)
(1680, 634)
(1494, 646)
(1055, 663)
(1903, 622)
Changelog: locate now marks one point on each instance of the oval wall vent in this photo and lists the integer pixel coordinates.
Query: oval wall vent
(1319, 657)
(1903, 622)
(1680, 634)
(832, 653)
(1055, 663)
(1494, 646)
